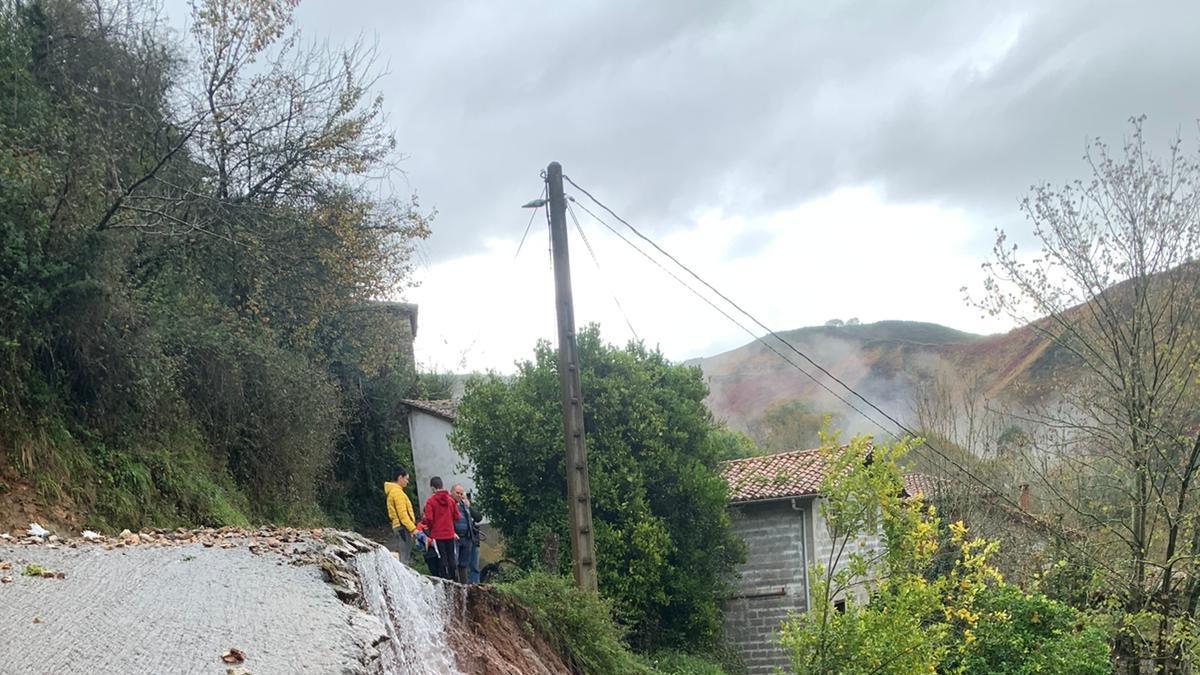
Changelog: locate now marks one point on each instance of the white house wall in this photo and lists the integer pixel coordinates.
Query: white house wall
(433, 455)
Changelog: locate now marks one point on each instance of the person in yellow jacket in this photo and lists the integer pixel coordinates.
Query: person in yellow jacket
(400, 511)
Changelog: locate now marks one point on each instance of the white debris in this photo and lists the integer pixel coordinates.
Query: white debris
(36, 530)
(90, 536)
(5, 536)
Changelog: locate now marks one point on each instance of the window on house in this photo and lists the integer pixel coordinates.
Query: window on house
(840, 606)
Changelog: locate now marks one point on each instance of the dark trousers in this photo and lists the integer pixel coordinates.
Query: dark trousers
(448, 561)
(403, 543)
(462, 573)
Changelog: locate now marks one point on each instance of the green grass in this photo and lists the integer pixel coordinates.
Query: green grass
(679, 663)
(165, 482)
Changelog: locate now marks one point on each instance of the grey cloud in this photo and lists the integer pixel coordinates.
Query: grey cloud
(669, 108)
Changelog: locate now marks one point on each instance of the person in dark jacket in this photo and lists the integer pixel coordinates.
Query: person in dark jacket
(468, 537)
(440, 514)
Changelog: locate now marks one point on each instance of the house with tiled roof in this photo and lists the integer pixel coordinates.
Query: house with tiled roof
(775, 507)
(429, 427)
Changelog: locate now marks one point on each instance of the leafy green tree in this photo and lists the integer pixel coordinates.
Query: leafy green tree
(733, 444)
(181, 256)
(664, 544)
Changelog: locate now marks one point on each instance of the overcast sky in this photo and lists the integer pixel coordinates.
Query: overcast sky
(811, 159)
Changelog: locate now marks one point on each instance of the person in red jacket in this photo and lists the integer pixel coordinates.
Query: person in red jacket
(440, 513)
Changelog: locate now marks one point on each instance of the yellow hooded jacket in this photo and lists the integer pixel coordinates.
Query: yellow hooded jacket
(399, 507)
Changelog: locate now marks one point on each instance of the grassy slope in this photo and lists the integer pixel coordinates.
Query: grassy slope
(67, 484)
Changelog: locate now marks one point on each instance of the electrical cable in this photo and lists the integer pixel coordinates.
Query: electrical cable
(537, 205)
(1062, 536)
(725, 314)
(603, 279)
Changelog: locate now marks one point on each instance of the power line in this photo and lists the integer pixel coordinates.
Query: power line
(946, 458)
(760, 324)
(738, 307)
(725, 314)
(603, 278)
(536, 205)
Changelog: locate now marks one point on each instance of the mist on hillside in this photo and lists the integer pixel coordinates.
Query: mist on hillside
(923, 375)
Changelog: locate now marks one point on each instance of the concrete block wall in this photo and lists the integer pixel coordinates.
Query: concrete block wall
(823, 545)
(772, 581)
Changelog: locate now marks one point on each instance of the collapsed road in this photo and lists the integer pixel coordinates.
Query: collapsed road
(238, 601)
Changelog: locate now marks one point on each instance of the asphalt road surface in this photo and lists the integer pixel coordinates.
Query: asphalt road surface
(175, 609)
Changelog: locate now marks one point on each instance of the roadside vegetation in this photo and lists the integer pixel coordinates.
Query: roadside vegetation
(190, 244)
(665, 547)
(581, 627)
(927, 598)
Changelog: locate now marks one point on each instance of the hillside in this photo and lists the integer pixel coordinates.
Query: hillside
(887, 362)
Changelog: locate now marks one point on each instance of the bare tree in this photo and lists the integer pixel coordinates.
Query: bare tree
(1116, 285)
(954, 405)
(265, 121)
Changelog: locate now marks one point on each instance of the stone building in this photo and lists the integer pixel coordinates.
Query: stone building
(775, 508)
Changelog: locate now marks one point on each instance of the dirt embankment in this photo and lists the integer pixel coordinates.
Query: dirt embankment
(20, 504)
(288, 601)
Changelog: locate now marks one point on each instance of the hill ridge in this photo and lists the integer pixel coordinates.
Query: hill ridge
(887, 361)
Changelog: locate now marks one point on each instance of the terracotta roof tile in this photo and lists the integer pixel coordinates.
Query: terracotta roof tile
(797, 473)
(786, 474)
(924, 484)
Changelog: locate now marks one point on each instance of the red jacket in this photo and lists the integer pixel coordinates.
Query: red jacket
(440, 513)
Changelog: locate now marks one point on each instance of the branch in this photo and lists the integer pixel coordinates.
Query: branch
(116, 205)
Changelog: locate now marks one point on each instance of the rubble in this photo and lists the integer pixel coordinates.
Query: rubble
(287, 542)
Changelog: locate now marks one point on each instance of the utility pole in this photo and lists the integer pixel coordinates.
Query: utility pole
(579, 499)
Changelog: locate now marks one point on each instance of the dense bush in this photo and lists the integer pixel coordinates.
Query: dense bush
(1029, 634)
(188, 332)
(664, 543)
(578, 624)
